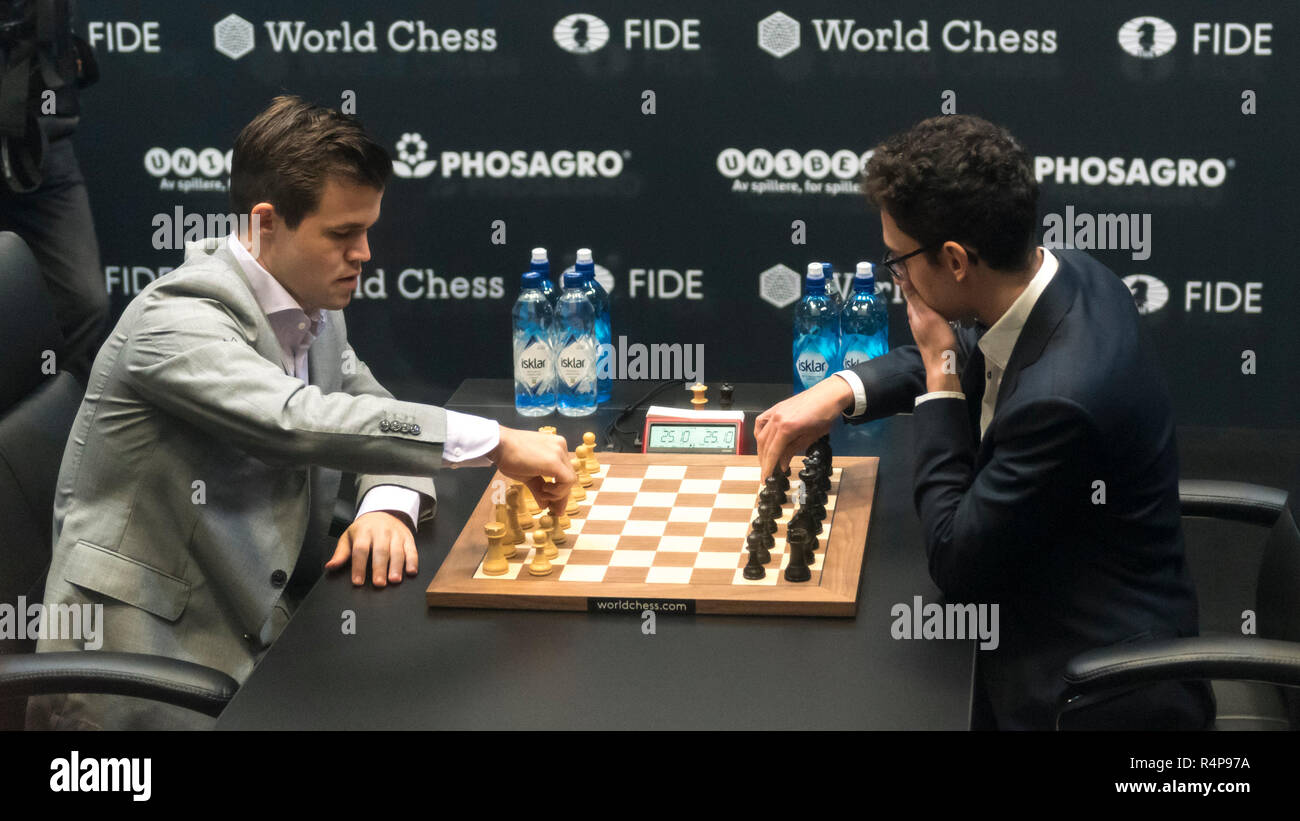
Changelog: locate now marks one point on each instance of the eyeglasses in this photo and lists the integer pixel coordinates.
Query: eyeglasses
(891, 265)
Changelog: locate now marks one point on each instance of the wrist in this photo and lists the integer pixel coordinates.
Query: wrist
(937, 380)
(495, 453)
(841, 392)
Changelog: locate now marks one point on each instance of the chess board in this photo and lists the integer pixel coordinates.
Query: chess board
(670, 528)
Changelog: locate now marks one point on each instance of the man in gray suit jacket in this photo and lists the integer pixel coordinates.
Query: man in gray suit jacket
(198, 481)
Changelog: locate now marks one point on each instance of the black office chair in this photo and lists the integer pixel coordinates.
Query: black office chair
(38, 404)
(1254, 677)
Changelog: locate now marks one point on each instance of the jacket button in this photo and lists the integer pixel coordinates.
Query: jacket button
(383, 425)
(415, 429)
(278, 578)
(404, 428)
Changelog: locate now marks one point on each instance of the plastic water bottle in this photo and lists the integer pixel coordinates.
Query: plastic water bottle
(532, 319)
(816, 344)
(833, 291)
(542, 265)
(864, 321)
(604, 333)
(574, 341)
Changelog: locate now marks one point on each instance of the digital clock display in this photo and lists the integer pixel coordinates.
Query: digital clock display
(692, 436)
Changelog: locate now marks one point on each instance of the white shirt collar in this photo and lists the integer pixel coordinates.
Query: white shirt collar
(999, 340)
(272, 297)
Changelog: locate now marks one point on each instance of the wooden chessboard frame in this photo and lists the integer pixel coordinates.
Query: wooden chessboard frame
(454, 584)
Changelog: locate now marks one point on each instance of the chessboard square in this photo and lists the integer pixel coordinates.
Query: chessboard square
(625, 575)
(723, 544)
(716, 560)
(704, 471)
(732, 514)
(707, 575)
(636, 527)
(563, 556)
(583, 573)
(744, 488)
(632, 558)
(679, 544)
(736, 530)
(665, 471)
(626, 485)
(606, 513)
(769, 578)
(743, 501)
(742, 473)
(647, 499)
(596, 541)
(586, 555)
(609, 472)
(649, 514)
(684, 529)
(660, 485)
(669, 559)
(709, 486)
(512, 572)
(616, 499)
(626, 542)
(669, 575)
(603, 528)
(696, 500)
(690, 514)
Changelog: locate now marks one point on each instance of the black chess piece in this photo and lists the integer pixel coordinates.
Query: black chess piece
(797, 568)
(757, 544)
(802, 520)
(754, 569)
(772, 485)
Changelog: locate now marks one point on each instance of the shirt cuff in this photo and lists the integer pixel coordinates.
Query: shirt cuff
(469, 440)
(392, 498)
(925, 397)
(859, 392)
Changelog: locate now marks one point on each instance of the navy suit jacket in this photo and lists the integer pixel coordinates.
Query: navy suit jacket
(1066, 514)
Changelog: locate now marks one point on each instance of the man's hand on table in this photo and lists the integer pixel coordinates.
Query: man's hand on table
(385, 535)
(528, 456)
(791, 425)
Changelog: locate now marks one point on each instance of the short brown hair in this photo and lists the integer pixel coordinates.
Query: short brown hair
(286, 154)
(958, 178)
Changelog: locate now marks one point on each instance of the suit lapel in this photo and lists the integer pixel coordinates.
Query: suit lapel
(265, 341)
(1047, 313)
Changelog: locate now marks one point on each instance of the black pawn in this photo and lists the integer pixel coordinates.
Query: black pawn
(754, 569)
(797, 569)
(772, 486)
(758, 545)
(762, 529)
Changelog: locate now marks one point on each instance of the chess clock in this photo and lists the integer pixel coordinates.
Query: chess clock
(673, 430)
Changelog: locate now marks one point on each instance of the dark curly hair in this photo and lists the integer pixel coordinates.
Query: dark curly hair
(958, 178)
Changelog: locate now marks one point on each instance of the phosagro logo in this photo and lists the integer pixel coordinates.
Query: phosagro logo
(1149, 293)
(1162, 172)
(581, 33)
(779, 286)
(778, 34)
(1147, 37)
(233, 36)
(413, 163)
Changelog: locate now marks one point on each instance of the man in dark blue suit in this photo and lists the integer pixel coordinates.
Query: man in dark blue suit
(1046, 468)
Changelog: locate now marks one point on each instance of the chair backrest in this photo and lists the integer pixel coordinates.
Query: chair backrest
(29, 329)
(1277, 594)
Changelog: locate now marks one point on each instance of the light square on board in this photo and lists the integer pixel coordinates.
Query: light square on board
(665, 471)
(669, 575)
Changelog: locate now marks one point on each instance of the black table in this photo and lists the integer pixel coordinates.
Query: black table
(412, 667)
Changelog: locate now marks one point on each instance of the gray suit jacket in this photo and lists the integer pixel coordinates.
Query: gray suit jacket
(197, 471)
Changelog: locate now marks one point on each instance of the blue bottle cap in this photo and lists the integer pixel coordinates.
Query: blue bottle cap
(531, 279)
(573, 279)
(585, 264)
(865, 278)
(815, 281)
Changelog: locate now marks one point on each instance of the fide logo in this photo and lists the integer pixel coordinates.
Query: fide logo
(779, 286)
(1149, 293)
(1147, 37)
(581, 33)
(778, 34)
(233, 36)
(411, 153)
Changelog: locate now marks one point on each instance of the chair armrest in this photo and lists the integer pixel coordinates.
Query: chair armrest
(1234, 501)
(157, 678)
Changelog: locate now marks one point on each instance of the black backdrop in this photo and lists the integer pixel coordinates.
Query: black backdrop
(662, 192)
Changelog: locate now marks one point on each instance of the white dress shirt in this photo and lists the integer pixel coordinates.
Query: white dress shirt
(469, 438)
(997, 343)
